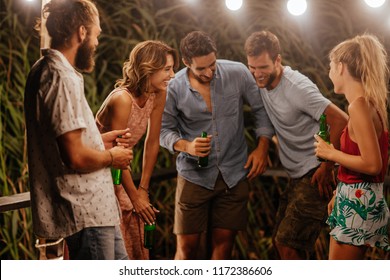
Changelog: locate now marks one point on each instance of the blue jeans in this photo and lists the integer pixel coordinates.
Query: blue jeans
(97, 243)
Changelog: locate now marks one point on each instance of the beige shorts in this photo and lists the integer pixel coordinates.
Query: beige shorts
(197, 208)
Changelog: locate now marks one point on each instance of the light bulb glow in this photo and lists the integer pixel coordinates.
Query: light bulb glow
(375, 3)
(233, 5)
(297, 7)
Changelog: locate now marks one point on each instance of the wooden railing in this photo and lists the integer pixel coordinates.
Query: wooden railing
(22, 200)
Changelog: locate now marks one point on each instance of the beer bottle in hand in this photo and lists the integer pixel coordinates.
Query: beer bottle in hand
(116, 173)
(323, 132)
(203, 161)
(116, 176)
(149, 235)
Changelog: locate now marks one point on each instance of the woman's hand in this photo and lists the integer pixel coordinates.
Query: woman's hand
(143, 208)
(322, 149)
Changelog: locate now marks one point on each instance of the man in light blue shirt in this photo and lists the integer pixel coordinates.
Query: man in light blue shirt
(208, 95)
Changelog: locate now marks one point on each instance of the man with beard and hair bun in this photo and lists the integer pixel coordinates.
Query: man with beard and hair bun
(294, 105)
(72, 193)
(208, 95)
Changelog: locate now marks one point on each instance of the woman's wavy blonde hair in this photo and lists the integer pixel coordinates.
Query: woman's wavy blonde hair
(145, 59)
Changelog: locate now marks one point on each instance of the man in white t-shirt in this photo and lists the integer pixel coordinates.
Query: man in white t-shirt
(294, 105)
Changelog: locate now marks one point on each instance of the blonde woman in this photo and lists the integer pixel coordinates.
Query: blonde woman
(137, 102)
(359, 215)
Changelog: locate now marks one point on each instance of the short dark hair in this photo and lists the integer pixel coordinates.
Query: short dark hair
(262, 41)
(196, 43)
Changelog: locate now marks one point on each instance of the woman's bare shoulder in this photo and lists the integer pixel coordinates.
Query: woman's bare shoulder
(121, 97)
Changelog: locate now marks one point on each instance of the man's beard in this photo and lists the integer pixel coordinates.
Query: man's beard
(270, 80)
(85, 61)
(200, 80)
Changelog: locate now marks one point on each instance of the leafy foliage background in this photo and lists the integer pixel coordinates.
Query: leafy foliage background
(305, 42)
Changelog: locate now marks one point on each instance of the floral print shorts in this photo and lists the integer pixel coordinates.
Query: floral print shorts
(360, 215)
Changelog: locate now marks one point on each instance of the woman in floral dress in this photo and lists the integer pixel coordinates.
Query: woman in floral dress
(359, 215)
(137, 102)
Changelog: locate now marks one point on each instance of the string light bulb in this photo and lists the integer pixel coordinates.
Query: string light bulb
(296, 7)
(375, 3)
(233, 5)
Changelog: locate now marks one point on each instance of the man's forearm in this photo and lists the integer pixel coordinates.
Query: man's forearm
(181, 146)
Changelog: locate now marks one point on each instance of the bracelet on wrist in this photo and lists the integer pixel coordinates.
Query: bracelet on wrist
(144, 189)
(112, 158)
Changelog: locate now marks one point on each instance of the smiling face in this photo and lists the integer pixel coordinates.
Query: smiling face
(159, 80)
(264, 70)
(202, 68)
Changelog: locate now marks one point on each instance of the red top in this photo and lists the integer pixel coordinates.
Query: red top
(350, 147)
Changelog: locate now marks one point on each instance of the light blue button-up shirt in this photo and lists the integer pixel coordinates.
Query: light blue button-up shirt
(186, 116)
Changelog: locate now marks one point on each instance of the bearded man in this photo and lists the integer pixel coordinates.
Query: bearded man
(294, 105)
(72, 193)
(208, 95)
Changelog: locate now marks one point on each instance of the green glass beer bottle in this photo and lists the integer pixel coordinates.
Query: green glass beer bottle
(323, 132)
(116, 173)
(149, 235)
(116, 176)
(203, 161)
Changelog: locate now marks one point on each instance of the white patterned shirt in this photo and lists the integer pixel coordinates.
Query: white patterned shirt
(63, 201)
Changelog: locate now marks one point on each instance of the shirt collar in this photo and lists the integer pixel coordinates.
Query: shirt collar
(59, 57)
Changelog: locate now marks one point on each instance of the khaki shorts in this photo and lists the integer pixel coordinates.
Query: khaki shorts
(301, 214)
(198, 208)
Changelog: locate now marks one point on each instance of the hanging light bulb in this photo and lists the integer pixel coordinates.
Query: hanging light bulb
(233, 5)
(297, 7)
(375, 3)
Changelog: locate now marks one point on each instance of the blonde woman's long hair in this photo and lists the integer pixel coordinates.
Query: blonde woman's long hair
(367, 62)
(145, 59)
